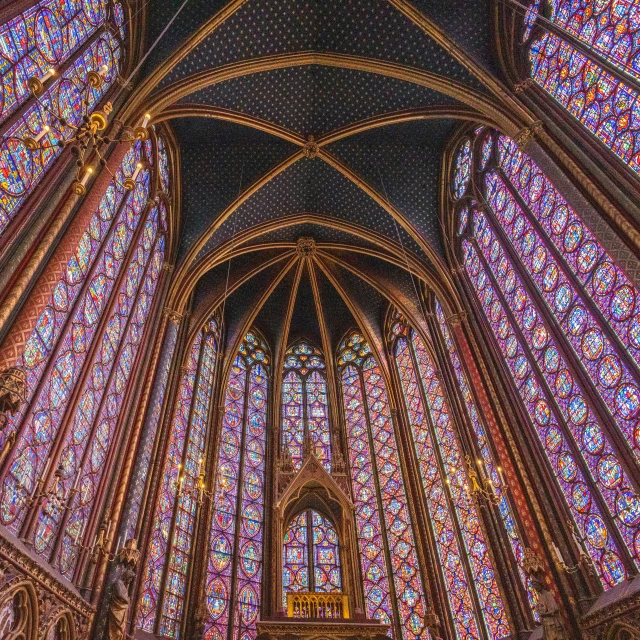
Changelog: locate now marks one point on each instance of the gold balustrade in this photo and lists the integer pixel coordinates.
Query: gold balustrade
(317, 605)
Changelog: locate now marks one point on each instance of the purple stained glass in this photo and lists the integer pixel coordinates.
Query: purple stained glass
(293, 416)
(159, 539)
(84, 427)
(66, 338)
(452, 461)
(597, 539)
(239, 483)
(441, 517)
(311, 555)
(43, 37)
(605, 105)
(583, 333)
(506, 510)
(610, 28)
(370, 532)
(102, 442)
(193, 463)
(170, 546)
(250, 534)
(20, 169)
(304, 404)
(379, 494)
(462, 169)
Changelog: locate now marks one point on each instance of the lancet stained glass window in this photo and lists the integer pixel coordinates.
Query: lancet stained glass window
(598, 97)
(488, 460)
(169, 557)
(311, 555)
(388, 556)
(564, 317)
(236, 534)
(304, 404)
(450, 505)
(87, 337)
(50, 35)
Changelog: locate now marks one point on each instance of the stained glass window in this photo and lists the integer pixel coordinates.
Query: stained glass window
(93, 322)
(599, 98)
(46, 36)
(238, 502)
(492, 468)
(304, 404)
(563, 315)
(311, 555)
(444, 478)
(388, 556)
(169, 556)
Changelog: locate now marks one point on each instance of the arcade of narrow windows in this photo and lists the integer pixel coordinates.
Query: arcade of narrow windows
(214, 478)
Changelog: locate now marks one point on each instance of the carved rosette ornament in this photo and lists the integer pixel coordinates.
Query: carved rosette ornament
(306, 247)
(311, 148)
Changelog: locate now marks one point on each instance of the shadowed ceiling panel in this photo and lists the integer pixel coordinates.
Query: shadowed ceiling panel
(304, 321)
(403, 162)
(397, 282)
(245, 300)
(370, 28)
(468, 23)
(270, 319)
(318, 232)
(315, 99)
(214, 282)
(218, 159)
(309, 186)
(335, 310)
(368, 301)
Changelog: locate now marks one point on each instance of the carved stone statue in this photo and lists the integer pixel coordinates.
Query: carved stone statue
(119, 605)
(547, 607)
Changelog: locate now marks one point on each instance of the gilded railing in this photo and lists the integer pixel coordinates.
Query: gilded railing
(317, 605)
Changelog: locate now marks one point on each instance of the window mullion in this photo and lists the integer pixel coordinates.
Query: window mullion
(21, 111)
(66, 420)
(450, 503)
(575, 451)
(176, 506)
(385, 541)
(593, 54)
(599, 407)
(55, 349)
(233, 596)
(105, 394)
(603, 323)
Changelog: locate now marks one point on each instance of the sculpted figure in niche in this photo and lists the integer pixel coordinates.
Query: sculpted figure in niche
(119, 605)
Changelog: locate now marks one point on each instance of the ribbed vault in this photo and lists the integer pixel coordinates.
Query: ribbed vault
(331, 113)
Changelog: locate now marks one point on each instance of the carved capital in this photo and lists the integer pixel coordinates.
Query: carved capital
(172, 315)
(168, 267)
(457, 319)
(521, 87)
(526, 136)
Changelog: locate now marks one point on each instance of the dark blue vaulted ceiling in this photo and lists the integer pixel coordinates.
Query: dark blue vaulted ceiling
(384, 127)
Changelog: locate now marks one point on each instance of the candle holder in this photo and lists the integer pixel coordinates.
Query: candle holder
(482, 487)
(584, 559)
(53, 502)
(85, 136)
(198, 491)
